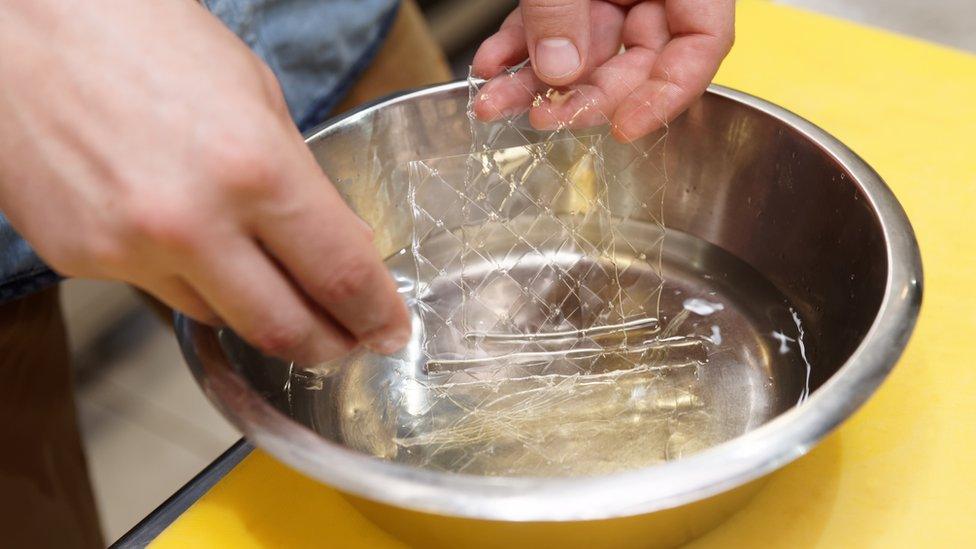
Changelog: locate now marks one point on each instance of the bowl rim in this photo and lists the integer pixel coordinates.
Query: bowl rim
(673, 484)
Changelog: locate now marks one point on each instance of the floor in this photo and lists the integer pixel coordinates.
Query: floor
(148, 428)
(948, 22)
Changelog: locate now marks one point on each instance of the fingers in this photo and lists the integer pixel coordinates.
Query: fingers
(606, 26)
(594, 104)
(329, 254)
(557, 33)
(506, 48)
(508, 95)
(254, 298)
(644, 34)
(673, 50)
(702, 32)
(176, 293)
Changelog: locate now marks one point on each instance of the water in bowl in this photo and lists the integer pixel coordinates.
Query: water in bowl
(727, 354)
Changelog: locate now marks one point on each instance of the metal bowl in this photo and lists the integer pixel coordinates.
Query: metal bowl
(762, 207)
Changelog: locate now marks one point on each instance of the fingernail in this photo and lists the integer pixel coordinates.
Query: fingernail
(556, 57)
(389, 344)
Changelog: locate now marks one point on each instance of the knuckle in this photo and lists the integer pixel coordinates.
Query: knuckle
(242, 165)
(168, 225)
(348, 280)
(105, 253)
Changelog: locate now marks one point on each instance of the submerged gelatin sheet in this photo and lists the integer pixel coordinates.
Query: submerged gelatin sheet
(543, 347)
(522, 258)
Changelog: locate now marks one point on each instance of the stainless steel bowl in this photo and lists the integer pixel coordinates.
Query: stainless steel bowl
(760, 203)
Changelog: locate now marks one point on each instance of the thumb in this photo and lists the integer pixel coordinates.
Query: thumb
(557, 33)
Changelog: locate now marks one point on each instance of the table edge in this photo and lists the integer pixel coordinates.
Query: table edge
(147, 529)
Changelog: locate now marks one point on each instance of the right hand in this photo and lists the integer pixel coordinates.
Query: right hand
(143, 142)
(672, 49)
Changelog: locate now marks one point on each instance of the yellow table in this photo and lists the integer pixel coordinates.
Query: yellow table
(902, 472)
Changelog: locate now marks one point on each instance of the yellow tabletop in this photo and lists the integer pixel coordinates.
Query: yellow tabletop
(902, 471)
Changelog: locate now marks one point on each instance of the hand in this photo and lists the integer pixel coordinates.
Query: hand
(143, 142)
(672, 50)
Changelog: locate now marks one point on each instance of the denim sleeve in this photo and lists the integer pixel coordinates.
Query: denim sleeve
(21, 271)
(316, 48)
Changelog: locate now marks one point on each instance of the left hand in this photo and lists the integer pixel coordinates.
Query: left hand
(671, 51)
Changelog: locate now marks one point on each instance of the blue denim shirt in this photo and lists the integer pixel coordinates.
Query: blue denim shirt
(316, 48)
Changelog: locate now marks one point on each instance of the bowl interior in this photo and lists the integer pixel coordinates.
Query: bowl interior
(770, 245)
